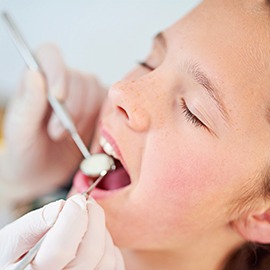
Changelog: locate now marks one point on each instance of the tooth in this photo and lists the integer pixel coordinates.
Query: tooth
(108, 149)
(102, 141)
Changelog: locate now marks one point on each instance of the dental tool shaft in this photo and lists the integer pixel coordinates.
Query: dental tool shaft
(29, 257)
(90, 189)
(20, 43)
(33, 65)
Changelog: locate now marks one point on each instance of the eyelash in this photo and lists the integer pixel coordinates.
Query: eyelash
(145, 65)
(190, 116)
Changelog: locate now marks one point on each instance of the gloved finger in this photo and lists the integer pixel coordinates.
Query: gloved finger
(108, 260)
(62, 241)
(75, 101)
(120, 264)
(92, 247)
(54, 70)
(30, 101)
(20, 236)
(97, 250)
(55, 73)
(34, 93)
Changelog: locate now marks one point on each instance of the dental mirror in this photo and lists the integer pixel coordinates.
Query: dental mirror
(96, 164)
(93, 165)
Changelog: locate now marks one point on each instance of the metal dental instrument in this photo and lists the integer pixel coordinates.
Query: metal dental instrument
(94, 184)
(97, 165)
(92, 165)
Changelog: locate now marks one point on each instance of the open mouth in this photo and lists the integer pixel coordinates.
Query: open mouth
(119, 177)
(115, 179)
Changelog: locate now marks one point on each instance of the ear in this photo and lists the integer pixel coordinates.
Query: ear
(255, 226)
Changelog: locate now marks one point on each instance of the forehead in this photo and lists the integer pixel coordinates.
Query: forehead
(237, 26)
(230, 39)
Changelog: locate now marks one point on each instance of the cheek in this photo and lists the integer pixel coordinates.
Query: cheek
(184, 169)
(186, 181)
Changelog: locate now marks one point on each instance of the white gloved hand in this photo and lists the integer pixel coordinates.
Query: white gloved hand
(39, 153)
(78, 240)
(21, 235)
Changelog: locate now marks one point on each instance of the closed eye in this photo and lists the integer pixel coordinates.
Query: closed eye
(190, 117)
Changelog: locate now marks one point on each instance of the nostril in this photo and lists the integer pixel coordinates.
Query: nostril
(123, 111)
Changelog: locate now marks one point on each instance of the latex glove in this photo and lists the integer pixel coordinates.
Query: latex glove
(18, 237)
(78, 240)
(38, 151)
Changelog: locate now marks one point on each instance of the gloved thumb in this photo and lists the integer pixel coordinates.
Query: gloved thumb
(20, 236)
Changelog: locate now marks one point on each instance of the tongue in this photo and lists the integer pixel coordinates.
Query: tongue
(115, 179)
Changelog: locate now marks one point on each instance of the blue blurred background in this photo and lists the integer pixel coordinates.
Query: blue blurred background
(103, 37)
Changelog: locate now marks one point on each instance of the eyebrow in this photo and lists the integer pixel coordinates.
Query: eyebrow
(201, 78)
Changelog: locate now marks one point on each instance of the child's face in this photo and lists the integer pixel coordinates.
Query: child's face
(194, 132)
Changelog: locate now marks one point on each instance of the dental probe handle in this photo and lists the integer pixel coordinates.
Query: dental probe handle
(33, 65)
(20, 43)
(29, 257)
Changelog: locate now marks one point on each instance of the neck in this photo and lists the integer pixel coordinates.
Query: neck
(135, 260)
(204, 255)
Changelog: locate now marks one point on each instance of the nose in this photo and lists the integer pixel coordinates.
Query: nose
(130, 101)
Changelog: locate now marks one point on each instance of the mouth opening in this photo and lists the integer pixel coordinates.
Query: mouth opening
(115, 179)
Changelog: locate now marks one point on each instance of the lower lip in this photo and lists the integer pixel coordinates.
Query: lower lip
(81, 183)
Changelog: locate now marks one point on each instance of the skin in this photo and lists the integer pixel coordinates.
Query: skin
(188, 176)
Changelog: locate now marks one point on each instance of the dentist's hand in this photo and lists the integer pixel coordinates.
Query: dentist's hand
(78, 240)
(39, 153)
